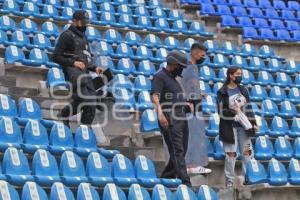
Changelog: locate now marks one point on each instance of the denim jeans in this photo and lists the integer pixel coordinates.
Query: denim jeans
(243, 142)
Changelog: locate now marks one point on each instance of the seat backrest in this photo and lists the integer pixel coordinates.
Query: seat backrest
(172, 42)
(161, 192)
(92, 34)
(149, 121)
(7, 106)
(15, 162)
(271, 13)
(159, 13)
(61, 136)
(28, 26)
(122, 167)
(42, 41)
(35, 133)
(288, 107)
(279, 124)
(68, 12)
(146, 67)
(71, 165)
(124, 9)
(29, 109)
(144, 168)
(56, 77)
(32, 191)
(265, 77)
(107, 7)
(44, 164)
(97, 166)
(19, 38)
(276, 169)
(283, 146)
(277, 93)
(175, 15)
(214, 121)
(205, 193)
(294, 168)
(11, 6)
(86, 191)
(85, 137)
(111, 191)
(162, 23)
(255, 172)
(60, 191)
(261, 123)
(152, 40)
(264, 146)
(8, 192)
(136, 192)
(144, 52)
(144, 22)
(132, 38)
(141, 10)
(211, 46)
(10, 131)
(13, 54)
(184, 192)
(7, 23)
(71, 4)
(125, 64)
(50, 29)
(258, 91)
(111, 35)
(142, 83)
(267, 51)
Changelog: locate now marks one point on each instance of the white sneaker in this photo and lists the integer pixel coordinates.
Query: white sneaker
(199, 170)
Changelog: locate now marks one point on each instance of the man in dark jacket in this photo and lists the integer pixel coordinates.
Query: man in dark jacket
(73, 54)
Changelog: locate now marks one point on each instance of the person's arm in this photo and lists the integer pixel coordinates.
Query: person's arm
(224, 111)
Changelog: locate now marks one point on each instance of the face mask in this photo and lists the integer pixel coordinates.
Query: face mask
(177, 71)
(81, 28)
(200, 61)
(238, 79)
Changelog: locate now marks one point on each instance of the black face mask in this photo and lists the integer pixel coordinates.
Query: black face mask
(200, 61)
(238, 79)
(81, 28)
(177, 71)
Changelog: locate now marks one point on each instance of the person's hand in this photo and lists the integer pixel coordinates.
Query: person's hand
(79, 64)
(163, 121)
(256, 128)
(237, 109)
(99, 70)
(191, 106)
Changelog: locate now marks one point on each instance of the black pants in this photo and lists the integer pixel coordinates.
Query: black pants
(176, 138)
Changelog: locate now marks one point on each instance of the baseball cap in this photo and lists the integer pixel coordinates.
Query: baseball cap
(81, 15)
(177, 57)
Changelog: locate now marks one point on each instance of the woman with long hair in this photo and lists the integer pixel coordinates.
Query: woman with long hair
(233, 100)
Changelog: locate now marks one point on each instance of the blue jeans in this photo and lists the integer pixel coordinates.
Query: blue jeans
(243, 142)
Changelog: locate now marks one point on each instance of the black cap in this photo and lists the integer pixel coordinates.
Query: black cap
(81, 15)
(177, 57)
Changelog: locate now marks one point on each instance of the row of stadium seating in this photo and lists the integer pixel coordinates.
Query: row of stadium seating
(59, 191)
(265, 4)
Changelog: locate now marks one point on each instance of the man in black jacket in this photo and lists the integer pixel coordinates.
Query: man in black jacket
(73, 54)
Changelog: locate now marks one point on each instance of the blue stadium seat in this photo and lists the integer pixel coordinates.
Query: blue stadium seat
(92, 34)
(84, 141)
(15, 166)
(144, 101)
(260, 23)
(123, 51)
(72, 169)
(206, 73)
(122, 81)
(208, 105)
(161, 25)
(32, 191)
(288, 15)
(293, 5)
(35, 137)
(8, 106)
(210, 148)
(216, 87)
(180, 26)
(7, 23)
(271, 14)
(152, 41)
(294, 172)
(111, 191)
(49, 12)
(112, 36)
(122, 171)
(145, 68)
(175, 15)
(54, 3)
(277, 94)
(199, 28)
(3, 38)
(71, 4)
(258, 93)
(141, 83)
(239, 11)
(141, 11)
(296, 148)
(296, 81)
(292, 25)
(143, 53)
(44, 168)
(228, 21)
(263, 148)
(126, 20)
(161, 192)
(13, 54)
(205, 88)
(60, 139)
(266, 34)
(107, 7)
(132, 38)
(86, 191)
(98, 170)
(269, 108)
(255, 12)
(295, 128)
(56, 77)
(255, 172)
(228, 48)
(159, 13)
(294, 95)
(50, 29)
(42, 42)
(149, 121)
(276, 173)
(219, 153)
(171, 43)
(295, 35)
(105, 48)
(244, 22)
(107, 19)
(279, 5)
(279, 127)
(265, 4)
(137, 192)
(235, 3)
(124, 99)
(29, 9)
(266, 52)
(145, 172)
(160, 55)
(66, 14)
(250, 33)
(184, 192)
(274, 65)
(11, 135)
(255, 108)
(211, 46)
(213, 125)
(248, 77)
(205, 193)
(291, 67)
(154, 3)
(283, 149)
(283, 35)
(247, 50)
(283, 80)
(262, 124)
(287, 109)
(264, 78)
(219, 61)
(124, 9)
(10, 6)
(59, 190)
(276, 24)
(239, 61)
(223, 10)
(89, 5)
(38, 58)
(143, 23)
(8, 190)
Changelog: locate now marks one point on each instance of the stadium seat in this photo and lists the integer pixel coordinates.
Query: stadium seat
(206, 73)
(159, 13)
(283, 80)
(222, 75)
(223, 10)
(145, 172)
(7, 106)
(255, 172)
(293, 95)
(255, 108)
(295, 35)
(266, 34)
(144, 101)
(10, 6)
(263, 148)
(271, 14)
(50, 29)
(122, 171)
(219, 153)
(142, 83)
(143, 53)
(60, 139)
(208, 105)
(283, 149)
(112, 36)
(264, 78)
(239, 11)
(184, 192)
(199, 28)
(124, 99)
(294, 172)
(161, 192)
(19, 39)
(248, 77)
(137, 192)
(228, 21)
(265, 4)
(152, 41)
(211, 46)
(250, 33)
(55, 78)
(274, 65)
(59, 190)
(124, 9)
(111, 191)
(90, 5)
(84, 141)
(35, 137)
(86, 191)
(175, 15)
(245, 22)
(258, 93)
(213, 125)
(287, 109)
(121, 81)
(276, 173)
(295, 128)
(219, 61)
(7, 190)
(255, 12)
(141, 10)
(210, 148)
(49, 12)
(277, 24)
(279, 5)
(38, 58)
(279, 127)
(42, 42)
(160, 56)
(98, 170)
(293, 5)
(14, 55)
(262, 124)
(107, 7)
(267, 52)
(171, 43)
(92, 34)
(292, 25)
(260, 23)
(15, 166)
(149, 121)
(206, 193)
(3, 38)
(235, 3)
(288, 15)
(228, 48)
(67, 14)
(296, 80)
(239, 61)
(32, 191)
(124, 52)
(161, 25)
(132, 38)
(72, 169)
(7, 23)
(180, 27)
(277, 94)
(105, 49)
(283, 35)
(296, 148)
(247, 50)
(291, 67)
(107, 19)
(145, 68)
(205, 88)
(11, 135)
